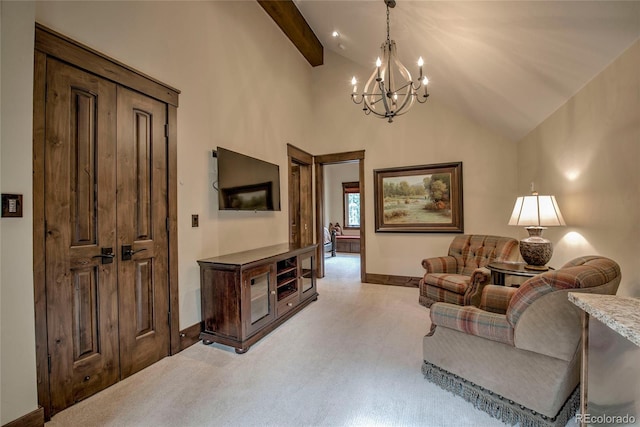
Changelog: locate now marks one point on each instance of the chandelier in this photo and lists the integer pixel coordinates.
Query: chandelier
(390, 91)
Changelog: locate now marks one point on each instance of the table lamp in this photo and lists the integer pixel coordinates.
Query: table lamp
(536, 213)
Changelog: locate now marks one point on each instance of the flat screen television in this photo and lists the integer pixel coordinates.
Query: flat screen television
(247, 183)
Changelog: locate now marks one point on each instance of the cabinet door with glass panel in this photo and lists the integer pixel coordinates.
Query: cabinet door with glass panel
(307, 275)
(259, 301)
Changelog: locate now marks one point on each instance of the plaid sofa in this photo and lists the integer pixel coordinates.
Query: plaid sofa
(459, 277)
(521, 343)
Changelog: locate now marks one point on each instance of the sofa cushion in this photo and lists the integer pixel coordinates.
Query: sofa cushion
(430, 294)
(450, 282)
(496, 298)
(473, 321)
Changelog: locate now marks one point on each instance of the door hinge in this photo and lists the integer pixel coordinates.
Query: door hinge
(169, 318)
(49, 363)
(167, 223)
(166, 130)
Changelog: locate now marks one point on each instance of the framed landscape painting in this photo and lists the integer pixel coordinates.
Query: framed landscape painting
(419, 199)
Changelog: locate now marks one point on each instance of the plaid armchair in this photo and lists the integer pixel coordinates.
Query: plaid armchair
(521, 345)
(459, 277)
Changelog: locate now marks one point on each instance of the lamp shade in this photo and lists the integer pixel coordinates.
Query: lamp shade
(536, 211)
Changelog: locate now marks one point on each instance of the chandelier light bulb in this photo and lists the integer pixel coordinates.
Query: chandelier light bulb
(420, 62)
(425, 80)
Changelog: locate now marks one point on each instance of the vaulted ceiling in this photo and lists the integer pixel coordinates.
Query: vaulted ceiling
(506, 64)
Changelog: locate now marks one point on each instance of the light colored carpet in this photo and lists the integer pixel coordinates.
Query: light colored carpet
(352, 358)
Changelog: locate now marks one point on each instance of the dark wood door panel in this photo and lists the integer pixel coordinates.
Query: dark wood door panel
(80, 221)
(75, 221)
(142, 218)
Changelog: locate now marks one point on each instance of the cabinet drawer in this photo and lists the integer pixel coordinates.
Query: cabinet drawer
(287, 304)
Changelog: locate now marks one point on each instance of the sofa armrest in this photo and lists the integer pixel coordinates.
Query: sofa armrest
(479, 279)
(496, 298)
(472, 321)
(442, 264)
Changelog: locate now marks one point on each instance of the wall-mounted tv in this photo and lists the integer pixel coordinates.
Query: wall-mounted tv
(247, 183)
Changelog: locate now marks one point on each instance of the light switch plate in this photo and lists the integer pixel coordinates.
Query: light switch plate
(12, 205)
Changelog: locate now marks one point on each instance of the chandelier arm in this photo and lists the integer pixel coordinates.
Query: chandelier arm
(375, 101)
(414, 87)
(404, 87)
(371, 106)
(407, 100)
(375, 113)
(423, 96)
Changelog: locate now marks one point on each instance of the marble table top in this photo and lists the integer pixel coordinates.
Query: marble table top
(622, 314)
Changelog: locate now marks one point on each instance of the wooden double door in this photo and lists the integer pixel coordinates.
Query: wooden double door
(106, 232)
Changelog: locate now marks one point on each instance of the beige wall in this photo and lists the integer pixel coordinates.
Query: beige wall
(428, 134)
(587, 154)
(17, 354)
(244, 87)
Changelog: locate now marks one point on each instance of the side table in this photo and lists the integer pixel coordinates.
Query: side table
(499, 271)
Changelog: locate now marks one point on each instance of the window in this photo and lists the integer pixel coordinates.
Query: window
(351, 205)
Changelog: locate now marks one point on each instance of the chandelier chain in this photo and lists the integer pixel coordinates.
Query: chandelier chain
(388, 39)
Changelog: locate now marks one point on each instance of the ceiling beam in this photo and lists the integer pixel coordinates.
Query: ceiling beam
(292, 23)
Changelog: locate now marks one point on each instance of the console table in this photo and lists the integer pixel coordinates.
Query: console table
(248, 294)
(610, 378)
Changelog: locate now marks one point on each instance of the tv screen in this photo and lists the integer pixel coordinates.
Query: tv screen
(246, 183)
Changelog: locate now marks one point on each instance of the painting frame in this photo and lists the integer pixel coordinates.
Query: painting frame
(441, 211)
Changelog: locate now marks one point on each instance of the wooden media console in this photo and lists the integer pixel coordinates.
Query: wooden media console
(248, 294)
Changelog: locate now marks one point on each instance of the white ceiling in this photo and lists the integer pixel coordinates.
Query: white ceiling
(506, 64)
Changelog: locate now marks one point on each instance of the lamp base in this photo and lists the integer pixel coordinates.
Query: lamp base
(536, 251)
(536, 267)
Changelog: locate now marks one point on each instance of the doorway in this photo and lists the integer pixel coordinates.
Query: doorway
(104, 221)
(321, 164)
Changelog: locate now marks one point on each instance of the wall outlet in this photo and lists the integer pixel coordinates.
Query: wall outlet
(194, 220)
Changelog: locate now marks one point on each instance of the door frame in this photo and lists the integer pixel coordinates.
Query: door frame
(320, 161)
(305, 161)
(49, 43)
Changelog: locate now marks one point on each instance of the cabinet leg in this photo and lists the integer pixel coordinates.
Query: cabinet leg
(242, 350)
(207, 342)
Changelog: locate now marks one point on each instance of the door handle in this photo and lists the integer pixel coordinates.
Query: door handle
(106, 254)
(127, 252)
